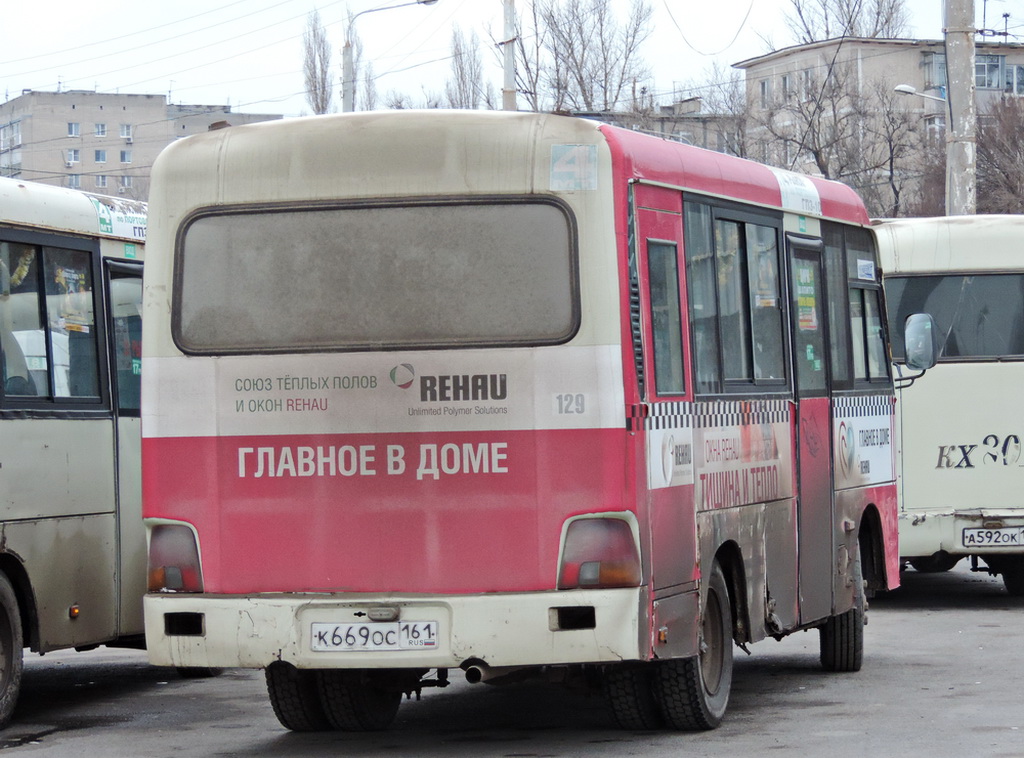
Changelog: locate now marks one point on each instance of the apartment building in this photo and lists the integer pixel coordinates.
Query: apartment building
(829, 108)
(95, 141)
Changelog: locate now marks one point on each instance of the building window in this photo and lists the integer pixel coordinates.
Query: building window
(73, 156)
(806, 85)
(986, 71)
(766, 92)
(126, 131)
(1014, 80)
(934, 70)
(101, 156)
(73, 129)
(101, 180)
(126, 182)
(10, 135)
(74, 181)
(787, 87)
(126, 156)
(101, 130)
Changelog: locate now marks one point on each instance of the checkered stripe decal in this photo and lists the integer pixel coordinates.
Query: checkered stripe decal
(862, 405)
(708, 414)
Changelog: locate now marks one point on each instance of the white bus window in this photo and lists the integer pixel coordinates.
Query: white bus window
(400, 276)
(666, 321)
(978, 316)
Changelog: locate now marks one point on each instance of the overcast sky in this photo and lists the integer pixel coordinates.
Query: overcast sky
(248, 53)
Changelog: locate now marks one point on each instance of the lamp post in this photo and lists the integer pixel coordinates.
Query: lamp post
(348, 85)
(961, 123)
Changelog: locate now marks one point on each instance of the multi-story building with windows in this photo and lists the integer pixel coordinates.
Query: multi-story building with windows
(95, 141)
(829, 108)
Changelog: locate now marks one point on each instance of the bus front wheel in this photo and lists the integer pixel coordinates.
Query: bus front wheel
(11, 650)
(694, 692)
(359, 701)
(1013, 577)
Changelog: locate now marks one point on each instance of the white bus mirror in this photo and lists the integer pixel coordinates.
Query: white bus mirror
(920, 341)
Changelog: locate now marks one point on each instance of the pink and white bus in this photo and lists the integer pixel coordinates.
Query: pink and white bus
(508, 393)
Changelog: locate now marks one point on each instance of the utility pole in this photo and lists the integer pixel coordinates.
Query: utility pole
(508, 91)
(961, 152)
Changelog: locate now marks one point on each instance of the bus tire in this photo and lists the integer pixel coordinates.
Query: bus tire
(11, 650)
(629, 690)
(295, 698)
(1013, 577)
(934, 564)
(694, 692)
(842, 637)
(358, 701)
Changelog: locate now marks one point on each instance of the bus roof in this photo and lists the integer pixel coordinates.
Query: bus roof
(455, 152)
(41, 206)
(950, 243)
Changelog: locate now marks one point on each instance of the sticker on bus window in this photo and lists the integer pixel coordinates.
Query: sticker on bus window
(573, 168)
(866, 270)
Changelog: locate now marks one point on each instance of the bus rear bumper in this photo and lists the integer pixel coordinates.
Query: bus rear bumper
(965, 532)
(311, 631)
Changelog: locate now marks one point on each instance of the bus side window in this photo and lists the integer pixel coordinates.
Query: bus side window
(72, 323)
(700, 282)
(21, 331)
(126, 304)
(666, 320)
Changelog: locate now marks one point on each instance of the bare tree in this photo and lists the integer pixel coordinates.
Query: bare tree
(595, 60)
(1001, 158)
(724, 96)
(894, 141)
(369, 88)
(465, 88)
(317, 65)
(815, 20)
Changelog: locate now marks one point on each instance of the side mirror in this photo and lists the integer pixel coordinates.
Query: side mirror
(919, 337)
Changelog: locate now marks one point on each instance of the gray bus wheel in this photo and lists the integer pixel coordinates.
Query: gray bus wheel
(11, 650)
(295, 698)
(358, 701)
(694, 692)
(842, 637)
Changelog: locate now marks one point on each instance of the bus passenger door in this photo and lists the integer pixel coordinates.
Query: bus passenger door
(814, 439)
(124, 292)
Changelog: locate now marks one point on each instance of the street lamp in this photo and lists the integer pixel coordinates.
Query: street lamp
(906, 89)
(960, 155)
(348, 84)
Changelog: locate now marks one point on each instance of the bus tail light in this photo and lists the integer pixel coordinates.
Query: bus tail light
(174, 560)
(599, 553)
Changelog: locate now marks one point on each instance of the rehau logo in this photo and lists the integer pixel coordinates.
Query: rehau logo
(472, 387)
(403, 375)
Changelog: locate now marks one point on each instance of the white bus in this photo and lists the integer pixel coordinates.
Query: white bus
(961, 468)
(514, 394)
(72, 546)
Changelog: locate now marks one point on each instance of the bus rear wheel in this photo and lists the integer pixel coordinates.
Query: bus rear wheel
(358, 700)
(694, 692)
(629, 690)
(11, 650)
(842, 637)
(295, 698)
